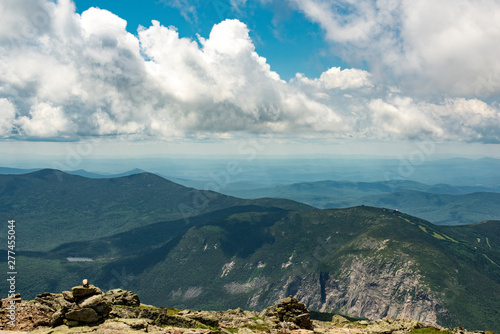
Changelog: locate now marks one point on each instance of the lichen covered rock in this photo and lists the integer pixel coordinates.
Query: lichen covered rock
(86, 315)
(122, 297)
(291, 311)
(81, 305)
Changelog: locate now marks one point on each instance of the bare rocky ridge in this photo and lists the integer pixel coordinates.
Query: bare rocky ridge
(368, 287)
(86, 309)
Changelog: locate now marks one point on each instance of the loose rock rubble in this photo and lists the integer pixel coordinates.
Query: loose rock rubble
(86, 309)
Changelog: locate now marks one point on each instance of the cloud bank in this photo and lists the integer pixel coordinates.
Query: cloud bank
(449, 45)
(64, 76)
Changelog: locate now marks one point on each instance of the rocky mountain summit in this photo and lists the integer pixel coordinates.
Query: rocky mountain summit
(86, 309)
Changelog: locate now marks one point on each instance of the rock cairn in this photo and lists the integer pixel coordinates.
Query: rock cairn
(290, 312)
(84, 304)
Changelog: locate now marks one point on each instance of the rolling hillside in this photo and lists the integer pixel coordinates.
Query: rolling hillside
(361, 261)
(52, 207)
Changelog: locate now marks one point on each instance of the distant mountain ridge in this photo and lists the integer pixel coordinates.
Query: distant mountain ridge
(438, 208)
(9, 170)
(87, 208)
(430, 202)
(374, 188)
(79, 172)
(440, 203)
(82, 172)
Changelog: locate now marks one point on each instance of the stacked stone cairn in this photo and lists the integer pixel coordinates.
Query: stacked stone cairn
(84, 304)
(290, 311)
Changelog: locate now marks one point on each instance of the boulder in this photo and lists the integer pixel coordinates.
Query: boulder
(268, 312)
(103, 308)
(92, 301)
(81, 291)
(56, 319)
(290, 310)
(54, 302)
(136, 324)
(47, 299)
(172, 320)
(204, 319)
(86, 315)
(62, 304)
(68, 295)
(387, 326)
(122, 297)
(71, 323)
(126, 313)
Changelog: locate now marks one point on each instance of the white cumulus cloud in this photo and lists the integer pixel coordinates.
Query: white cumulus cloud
(336, 78)
(64, 75)
(448, 45)
(45, 121)
(7, 117)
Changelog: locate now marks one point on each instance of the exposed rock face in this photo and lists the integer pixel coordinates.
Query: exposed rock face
(365, 287)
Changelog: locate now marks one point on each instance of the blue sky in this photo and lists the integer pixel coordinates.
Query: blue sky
(180, 76)
(284, 36)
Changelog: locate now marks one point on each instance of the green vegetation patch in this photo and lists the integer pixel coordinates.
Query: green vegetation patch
(450, 238)
(257, 327)
(202, 326)
(430, 331)
(172, 311)
(438, 236)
